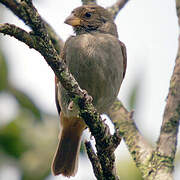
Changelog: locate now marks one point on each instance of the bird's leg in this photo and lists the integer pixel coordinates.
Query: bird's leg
(87, 97)
(70, 106)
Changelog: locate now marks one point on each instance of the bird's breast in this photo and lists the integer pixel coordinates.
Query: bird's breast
(95, 60)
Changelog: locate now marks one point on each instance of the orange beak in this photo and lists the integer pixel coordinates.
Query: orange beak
(73, 20)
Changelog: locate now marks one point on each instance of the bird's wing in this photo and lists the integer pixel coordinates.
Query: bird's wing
(63, 56)
(56, 95)
(123, 48)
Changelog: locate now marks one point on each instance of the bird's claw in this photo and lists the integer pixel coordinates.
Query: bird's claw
(107, 132)
(87, 97)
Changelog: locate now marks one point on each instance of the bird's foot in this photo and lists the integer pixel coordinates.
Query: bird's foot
(107, 132)
(87, 97)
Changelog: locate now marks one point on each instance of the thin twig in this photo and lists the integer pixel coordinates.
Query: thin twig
(115, 8)
(18, 33)
(94, 161)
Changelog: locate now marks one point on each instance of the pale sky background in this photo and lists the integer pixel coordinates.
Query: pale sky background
(149, 30)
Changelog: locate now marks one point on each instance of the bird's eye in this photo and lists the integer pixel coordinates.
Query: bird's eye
(88, 14)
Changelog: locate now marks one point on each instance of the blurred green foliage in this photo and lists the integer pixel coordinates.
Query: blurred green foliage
(22, 98)
(28, 144)
(3, 72)
(133, 96)
(11, 141)
(25, 102)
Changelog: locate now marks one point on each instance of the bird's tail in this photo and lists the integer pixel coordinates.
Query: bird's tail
(66, 157)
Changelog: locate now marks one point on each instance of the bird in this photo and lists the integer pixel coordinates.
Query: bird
(97, 59)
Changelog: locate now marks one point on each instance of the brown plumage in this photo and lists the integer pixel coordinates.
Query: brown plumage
(97, 60)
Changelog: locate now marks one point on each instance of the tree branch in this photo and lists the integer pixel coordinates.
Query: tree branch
(115, 8)
(86, 2)
(55, 39)
(94, 161)
(17, 9)
(167, 142)
(27, 12)
(140, 150)
(18, 33)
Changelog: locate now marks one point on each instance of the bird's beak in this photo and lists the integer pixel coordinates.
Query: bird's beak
(72, 20)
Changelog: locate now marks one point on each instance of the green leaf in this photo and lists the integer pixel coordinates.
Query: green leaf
(11, 141)
(3, 73)
(133, 97)
(26, 102)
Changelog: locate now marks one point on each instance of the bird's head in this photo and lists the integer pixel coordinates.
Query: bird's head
(89, 18)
